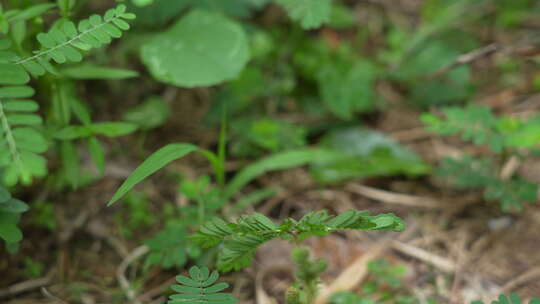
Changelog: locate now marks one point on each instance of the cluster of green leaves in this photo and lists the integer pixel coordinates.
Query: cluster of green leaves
(480, 173)
(415, 54)
(205, 47)
(309, 13)
(23, 139)
(512, 299)
(308, 272)
(253, 137)
(200, 288)
(170, 247)
(504, 136)
(239, 240)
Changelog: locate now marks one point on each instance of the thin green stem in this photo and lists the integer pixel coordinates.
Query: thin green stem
(222, 149)
(66, 43)
(10, 140)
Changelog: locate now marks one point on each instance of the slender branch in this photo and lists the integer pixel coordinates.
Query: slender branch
(466, 59)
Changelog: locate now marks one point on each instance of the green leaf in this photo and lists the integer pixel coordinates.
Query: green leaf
(97, 153)
(13, 75)
(112, 129)
(473, 123)
(72, 132)
(70, 163)
(199, 289)
(347, 88)
(142, 2)
(16, 92)
(32, 12)
(152, 113)
(90, 71)
(278, 161)
(202, 49)
(9, 231)
(168, 248)
(525, 136)
(21, 105)
(4, 195)
(153, 163)
(364, 153)
(13, 206)
(310, 13)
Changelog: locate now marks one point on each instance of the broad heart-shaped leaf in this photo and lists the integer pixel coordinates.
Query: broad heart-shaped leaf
(153, 163)
(364, 153)
(310, 13)
(202, 49)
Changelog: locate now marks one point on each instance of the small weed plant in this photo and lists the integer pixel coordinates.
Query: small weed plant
(507, 139)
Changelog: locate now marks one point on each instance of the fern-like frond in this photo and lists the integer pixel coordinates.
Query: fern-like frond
(239, 240)
(20, 142)
(479, 173)
(66, 41)
(200, 288)
(476, 124)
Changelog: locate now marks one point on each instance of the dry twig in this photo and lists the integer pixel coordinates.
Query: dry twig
(353, 275)
(27, 285)
(121, 272)
(392, 197)
(443, 264)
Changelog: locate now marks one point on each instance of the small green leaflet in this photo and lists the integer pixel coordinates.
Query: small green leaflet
(310, 13)
(90, 71)
(10, 210)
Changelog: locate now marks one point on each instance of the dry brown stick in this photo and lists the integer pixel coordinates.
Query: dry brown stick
(352, 275)
(510, 168)
(527, 276)
(27, 285)
(121, 272)
(465, 59)
(392, 197)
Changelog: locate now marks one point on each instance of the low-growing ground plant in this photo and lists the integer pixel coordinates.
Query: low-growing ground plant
(507, 138)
